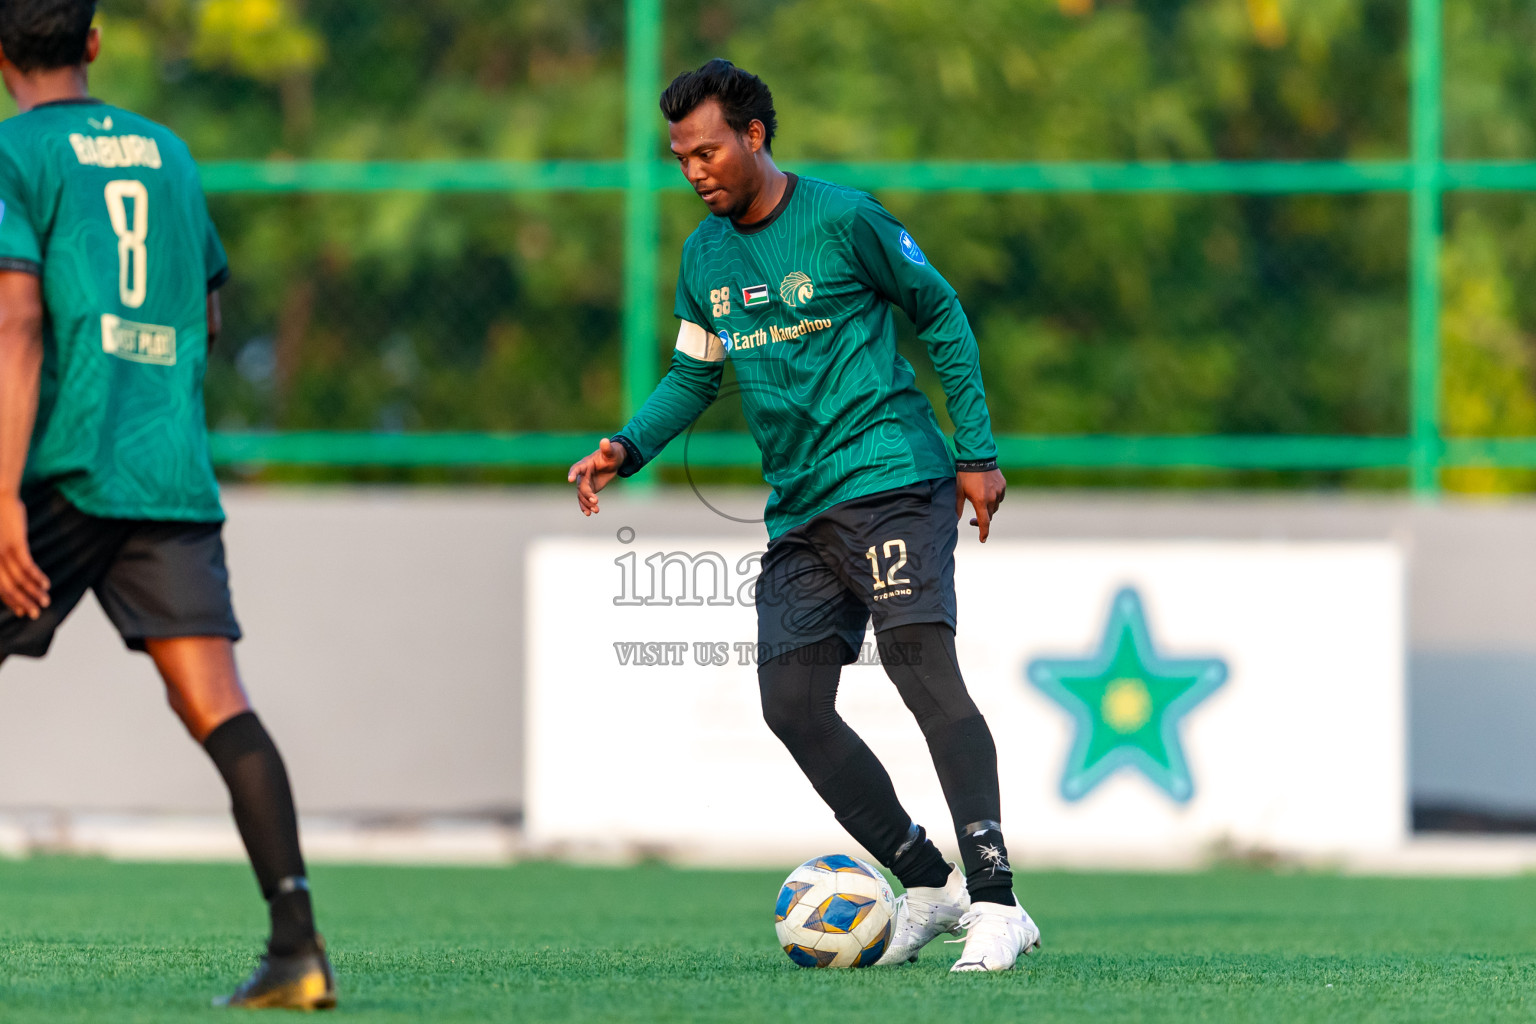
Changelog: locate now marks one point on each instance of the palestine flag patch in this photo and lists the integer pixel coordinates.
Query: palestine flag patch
(754, 295)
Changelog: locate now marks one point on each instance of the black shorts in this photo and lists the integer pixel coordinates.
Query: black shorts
(888, 556)
(153, 579)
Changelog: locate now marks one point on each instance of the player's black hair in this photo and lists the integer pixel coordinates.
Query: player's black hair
(743, 97)
(40, 35)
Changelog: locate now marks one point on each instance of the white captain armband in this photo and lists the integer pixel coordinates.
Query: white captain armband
(695, 341)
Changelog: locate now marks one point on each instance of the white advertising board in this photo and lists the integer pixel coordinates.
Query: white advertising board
(1152, 702)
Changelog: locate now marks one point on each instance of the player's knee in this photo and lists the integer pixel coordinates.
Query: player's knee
(204, 709)
(920, 659)
(953, 708)
(187, 713)
(785, 718)
(798, 722)
(799, 693)
(174, 701)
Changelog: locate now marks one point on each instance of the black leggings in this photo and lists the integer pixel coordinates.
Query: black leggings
(799, 692)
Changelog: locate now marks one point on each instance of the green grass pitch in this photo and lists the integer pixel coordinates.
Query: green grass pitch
(84, 940)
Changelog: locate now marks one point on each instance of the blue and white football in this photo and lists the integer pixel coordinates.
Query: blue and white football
(834, 911)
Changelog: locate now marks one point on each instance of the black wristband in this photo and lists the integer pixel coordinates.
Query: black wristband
(975, 465)
(24, 266)
(632, 463)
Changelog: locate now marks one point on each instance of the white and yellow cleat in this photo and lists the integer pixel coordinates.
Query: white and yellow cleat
(923, 913)
(995, 937)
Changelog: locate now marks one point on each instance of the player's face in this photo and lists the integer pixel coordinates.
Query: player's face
(720, 164)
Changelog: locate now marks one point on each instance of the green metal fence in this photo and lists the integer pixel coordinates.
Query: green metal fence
(1424, 177)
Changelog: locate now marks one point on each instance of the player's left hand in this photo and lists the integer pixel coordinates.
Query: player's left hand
(985, 492)
(595, 472)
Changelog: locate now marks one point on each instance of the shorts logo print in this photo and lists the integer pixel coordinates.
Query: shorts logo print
(882, 560)
(892, 585)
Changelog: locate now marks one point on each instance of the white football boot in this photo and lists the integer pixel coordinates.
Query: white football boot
(995, 937)
(923, 913)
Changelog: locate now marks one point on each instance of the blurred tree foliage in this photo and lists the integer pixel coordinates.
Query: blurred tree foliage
(1097, 313)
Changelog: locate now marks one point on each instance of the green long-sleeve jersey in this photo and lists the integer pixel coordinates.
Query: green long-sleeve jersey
(800, 302)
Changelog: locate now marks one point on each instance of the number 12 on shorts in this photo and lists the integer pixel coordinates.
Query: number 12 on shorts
(896, 549)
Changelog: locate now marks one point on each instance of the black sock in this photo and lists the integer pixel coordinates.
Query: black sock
(865, 803)
(920, 659)
(799, 692)
(919, 862)
(988, 876)
(966, 760)
(262, 803)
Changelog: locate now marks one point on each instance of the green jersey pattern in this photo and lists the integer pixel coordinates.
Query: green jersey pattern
(106, 207)
(801, 305)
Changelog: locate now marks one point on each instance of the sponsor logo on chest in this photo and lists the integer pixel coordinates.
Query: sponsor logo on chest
(739, 341)
(795, 291)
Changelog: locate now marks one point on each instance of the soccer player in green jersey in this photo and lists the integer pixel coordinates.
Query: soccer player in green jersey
(793, 280)
(109, 270)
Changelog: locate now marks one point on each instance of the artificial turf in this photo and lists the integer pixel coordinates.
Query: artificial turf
(84, 940)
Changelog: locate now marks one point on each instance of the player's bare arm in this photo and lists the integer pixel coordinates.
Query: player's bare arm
(215, 319)
(23, 587)
(595, 472)
(985, 493)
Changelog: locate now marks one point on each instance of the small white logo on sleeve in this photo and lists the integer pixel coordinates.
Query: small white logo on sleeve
(910, 250)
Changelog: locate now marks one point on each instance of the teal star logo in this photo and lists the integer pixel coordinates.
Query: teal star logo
(1128, 702)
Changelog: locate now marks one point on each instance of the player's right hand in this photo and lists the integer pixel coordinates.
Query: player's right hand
(23, 587)
(593, 473)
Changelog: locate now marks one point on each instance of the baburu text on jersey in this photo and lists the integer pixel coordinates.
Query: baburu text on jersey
(116, 150)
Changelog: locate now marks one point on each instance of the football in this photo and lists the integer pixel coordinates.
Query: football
(834, 911)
